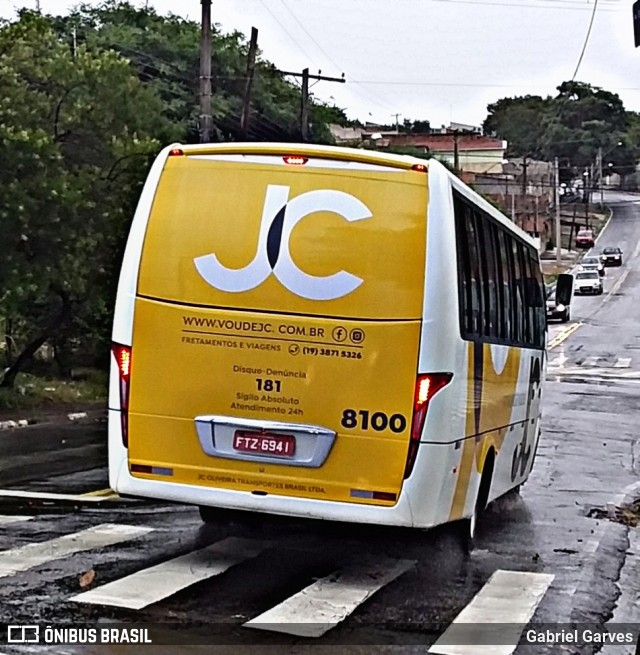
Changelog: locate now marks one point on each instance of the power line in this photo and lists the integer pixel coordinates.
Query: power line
(534, 6)
(329, 58)
(304, 52)
(371, 94)
(586, 40)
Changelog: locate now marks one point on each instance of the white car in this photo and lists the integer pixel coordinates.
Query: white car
(588, 282)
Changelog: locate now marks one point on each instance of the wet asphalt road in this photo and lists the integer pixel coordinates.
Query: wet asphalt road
(589, 454)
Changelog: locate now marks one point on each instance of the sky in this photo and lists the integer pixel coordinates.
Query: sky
(435, 60)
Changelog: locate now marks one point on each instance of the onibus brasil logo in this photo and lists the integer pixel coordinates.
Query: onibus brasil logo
(279, 216)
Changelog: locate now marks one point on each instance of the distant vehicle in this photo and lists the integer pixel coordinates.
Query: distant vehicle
(584, 239)
(588, 282)
(612, 256)
(556, 310)
(592, 263)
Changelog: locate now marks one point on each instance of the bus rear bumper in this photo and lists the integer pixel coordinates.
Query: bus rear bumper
(125, 484)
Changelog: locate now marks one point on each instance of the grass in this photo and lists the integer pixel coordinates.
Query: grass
(630, 515)
(31, 392)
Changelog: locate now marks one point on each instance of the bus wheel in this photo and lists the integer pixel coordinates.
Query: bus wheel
(209, 514)
(469, 526)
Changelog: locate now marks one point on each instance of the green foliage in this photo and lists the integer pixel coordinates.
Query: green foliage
(575, 125)
(31, 391)
(76, 134)
(164, 51)
(87, 101)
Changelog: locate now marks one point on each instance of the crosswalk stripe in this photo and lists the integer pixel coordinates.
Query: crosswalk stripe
(591, 361)
(508, 600)
(320, 606)
(26, 557)
(151, 585)
(623, 362)
(13, 519)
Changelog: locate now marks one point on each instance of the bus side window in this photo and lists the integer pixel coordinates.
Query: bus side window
(465, 282)
(518, 295)
(506, 275)
(476, 273)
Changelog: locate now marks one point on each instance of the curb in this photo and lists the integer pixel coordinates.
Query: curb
(629, 495)
(26, 422)
(22, 423)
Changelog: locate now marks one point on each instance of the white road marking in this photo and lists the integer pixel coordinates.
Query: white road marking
(559, 361)
(508, 599)
(13, 519)
(563, 335)
(623, 362)
(157, 582)
(591, 361)
(42, 495)
(27, 557)
(320, 606)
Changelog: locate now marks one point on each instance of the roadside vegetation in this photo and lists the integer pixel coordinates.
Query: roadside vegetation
(41, 391)
(88, 99)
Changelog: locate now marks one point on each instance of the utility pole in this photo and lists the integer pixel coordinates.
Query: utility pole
(246, 103)
(304, 103)
(205, 73)
(397, 124)
(304, 106)
(523, 203)
(525, 164)
(456, 158)
(600, 176)
(556, 178)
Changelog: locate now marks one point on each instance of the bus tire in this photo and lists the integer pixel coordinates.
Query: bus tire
(468, 527)
(209, 514)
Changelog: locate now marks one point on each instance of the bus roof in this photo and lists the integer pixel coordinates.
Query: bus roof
(320, 151)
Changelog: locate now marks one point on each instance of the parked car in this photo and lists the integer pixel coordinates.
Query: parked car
(588, 282)
(585, 239)
(612, 256)
(592, 263)
(556, 310)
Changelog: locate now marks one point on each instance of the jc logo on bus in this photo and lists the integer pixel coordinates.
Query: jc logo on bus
(279, 216)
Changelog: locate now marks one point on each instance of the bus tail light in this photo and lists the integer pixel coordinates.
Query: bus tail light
(123, 361)
(427, 386)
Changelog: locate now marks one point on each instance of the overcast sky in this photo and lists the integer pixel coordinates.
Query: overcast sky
(439, 60)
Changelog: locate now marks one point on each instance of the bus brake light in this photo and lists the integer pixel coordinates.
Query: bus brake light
(427, 386)
(122, 355)
(295, 160)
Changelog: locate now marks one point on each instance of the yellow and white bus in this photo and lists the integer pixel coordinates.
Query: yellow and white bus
(323, 332)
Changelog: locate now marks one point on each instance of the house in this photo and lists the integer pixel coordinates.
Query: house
(470, 152)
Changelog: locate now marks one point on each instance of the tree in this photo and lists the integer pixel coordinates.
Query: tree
(520, 121)
(164, 51)
(75, 138)
(576, 125)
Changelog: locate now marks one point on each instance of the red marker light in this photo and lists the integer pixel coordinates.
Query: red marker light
(176, 152)
(122, 356)
(421, 168)
(295, 160)
(427, 386)
(123, 359)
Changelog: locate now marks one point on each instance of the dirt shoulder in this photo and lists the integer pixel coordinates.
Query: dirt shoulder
(56, 412)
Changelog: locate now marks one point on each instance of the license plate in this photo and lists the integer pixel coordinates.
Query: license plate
(279, 445)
